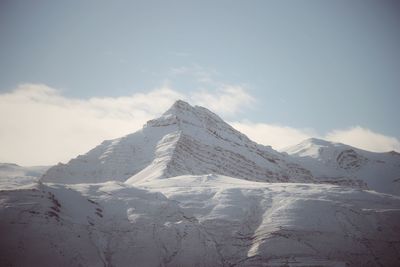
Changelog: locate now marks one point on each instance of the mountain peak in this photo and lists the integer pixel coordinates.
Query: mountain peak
(179, 106)
(311, 147)
(185, 115)
(317, 141)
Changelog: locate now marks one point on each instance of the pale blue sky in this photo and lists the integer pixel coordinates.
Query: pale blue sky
(310, 64)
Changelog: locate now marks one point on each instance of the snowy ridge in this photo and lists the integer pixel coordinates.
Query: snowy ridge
(333, 154)
(190, 156)
(335, 161)
(112, 160)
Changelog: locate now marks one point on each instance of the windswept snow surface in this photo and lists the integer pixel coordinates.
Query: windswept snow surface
(189, 190)
(207, 220)
(336, 161)
(262, 224)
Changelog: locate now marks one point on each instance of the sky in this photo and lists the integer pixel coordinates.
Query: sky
(73, 73)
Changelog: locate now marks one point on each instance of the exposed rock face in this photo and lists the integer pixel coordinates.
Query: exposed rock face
(349, 159)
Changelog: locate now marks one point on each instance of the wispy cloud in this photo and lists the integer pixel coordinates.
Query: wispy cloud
(274, 135)
(364, 138)
(226, 100)
(280, 137)
(41, 126)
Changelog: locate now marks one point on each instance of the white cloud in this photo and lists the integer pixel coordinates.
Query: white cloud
(224, 99)
(227, 100)
(38, 125)
(365, 139)
(280, 137)
(273, 135)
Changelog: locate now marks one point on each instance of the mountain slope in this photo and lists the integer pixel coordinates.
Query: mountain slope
(207, 220)
(327, 160)
(115, 160)
(107, 224)
(279, 224)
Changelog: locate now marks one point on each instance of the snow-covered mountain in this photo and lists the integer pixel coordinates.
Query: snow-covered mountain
(184, 140)
(189, 190)
(13, 170)
(327, 160)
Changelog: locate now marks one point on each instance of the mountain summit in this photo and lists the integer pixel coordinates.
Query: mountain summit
(184, 140)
